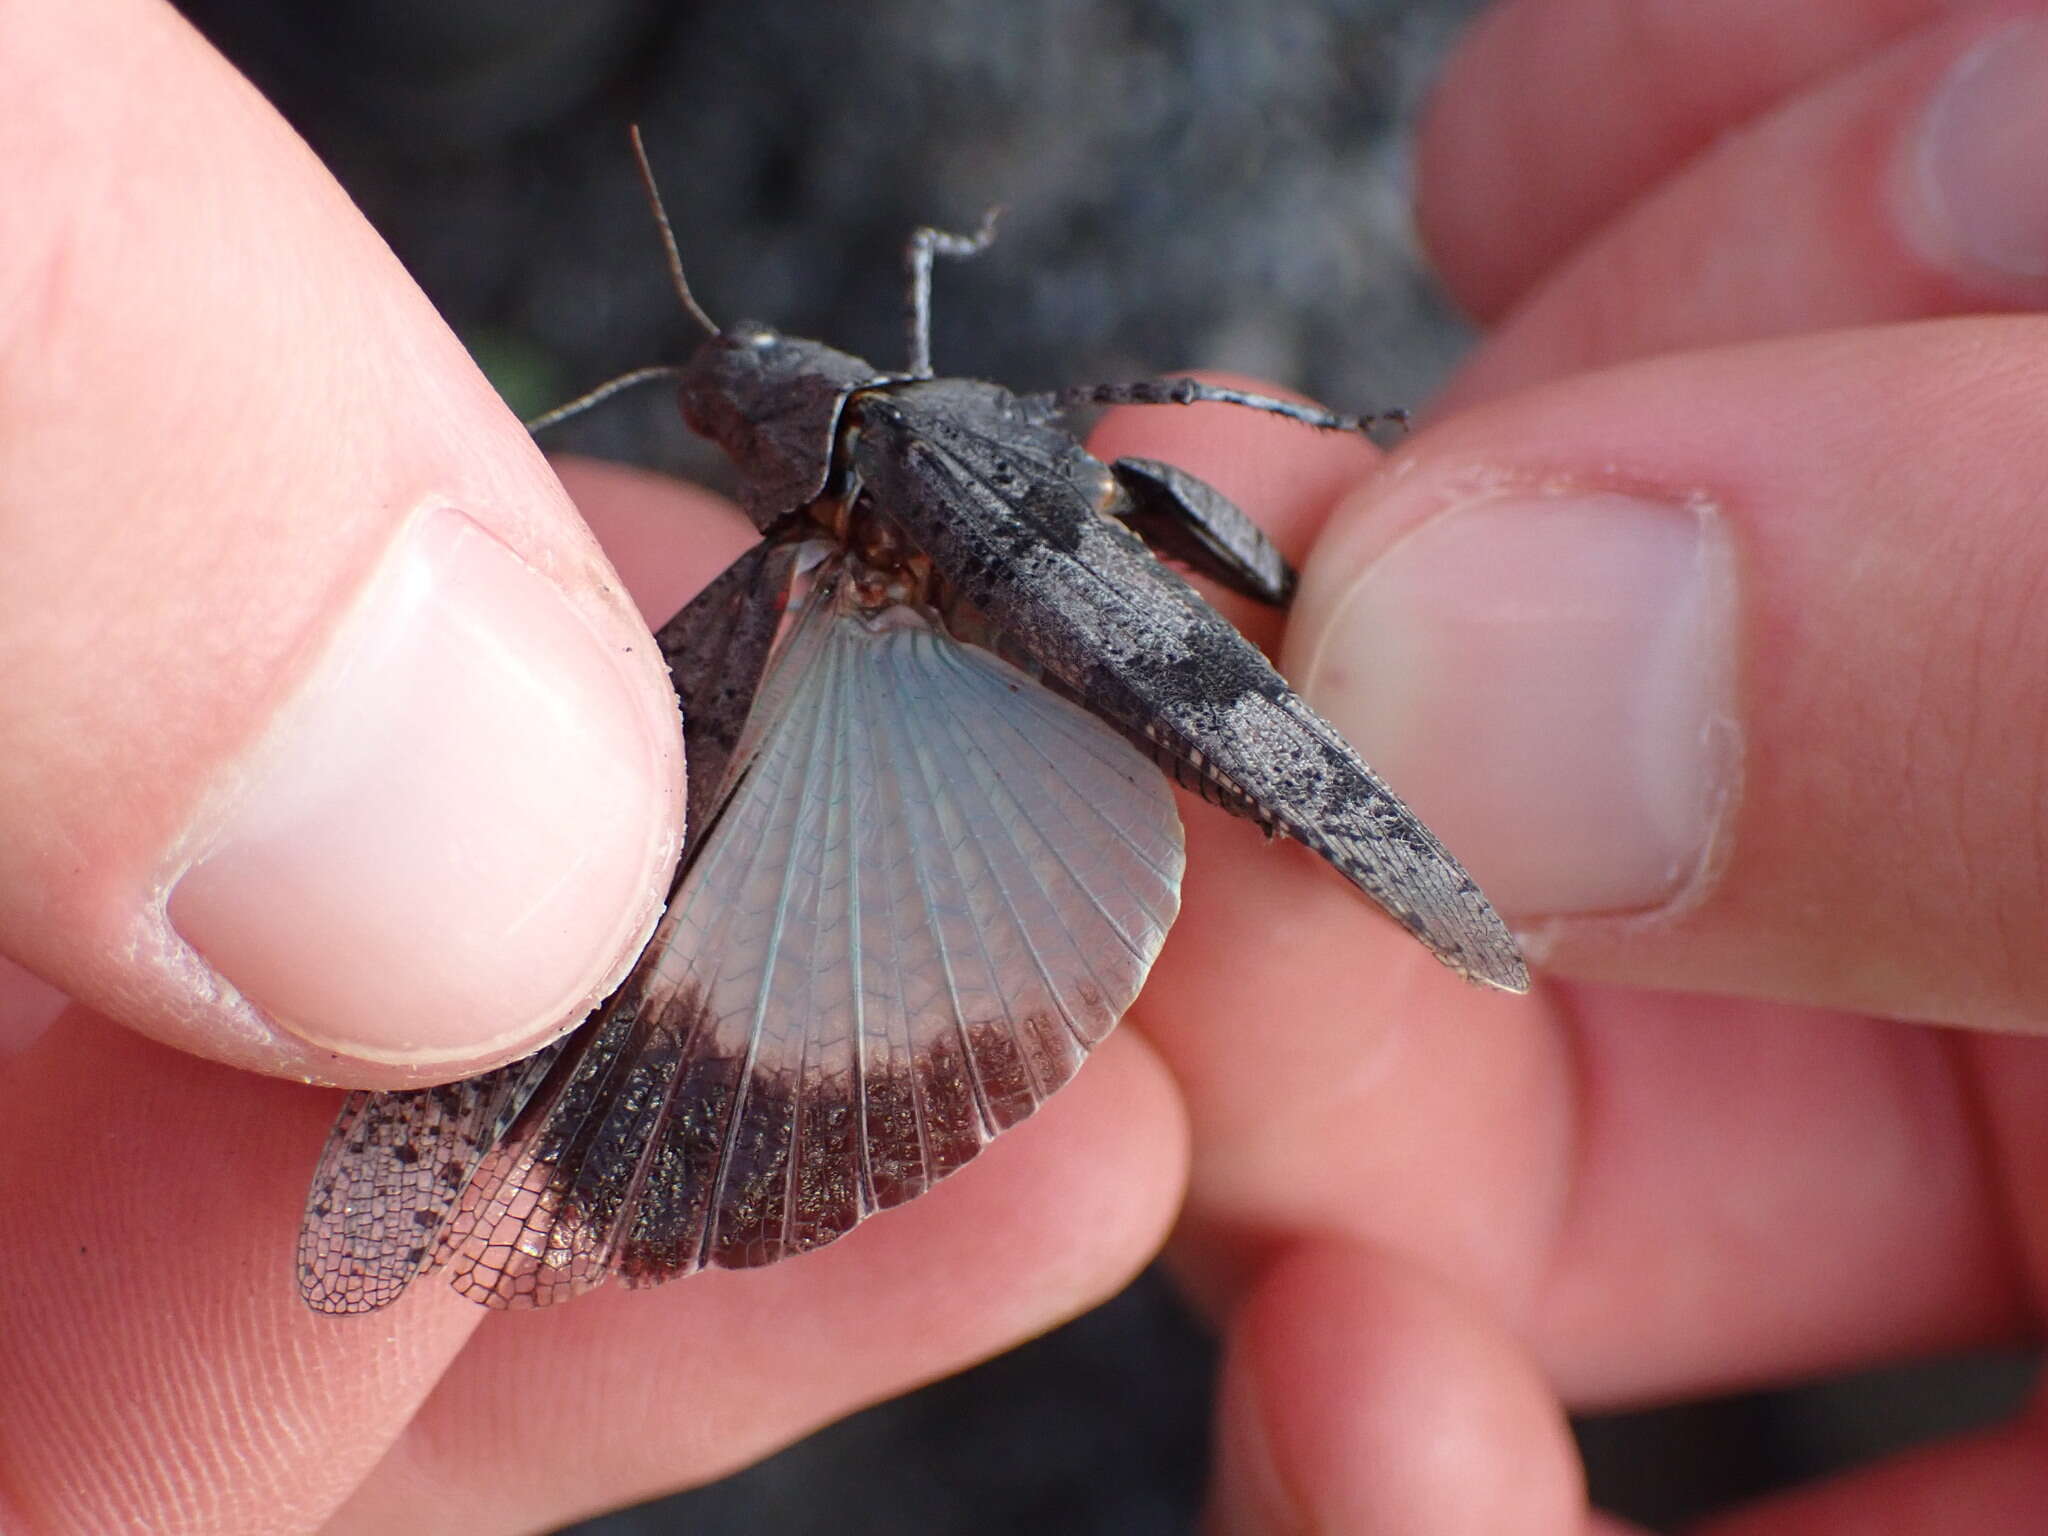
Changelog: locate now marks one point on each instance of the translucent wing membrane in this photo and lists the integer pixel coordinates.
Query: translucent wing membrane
(931, 888)
(395, 1169)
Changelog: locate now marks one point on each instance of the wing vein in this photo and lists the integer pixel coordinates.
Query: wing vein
(827, 662)
(905, 745)
(974, 747)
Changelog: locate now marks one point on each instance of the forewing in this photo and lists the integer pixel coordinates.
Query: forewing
(717, 648)
(1084, 598)
(934, 886)
(395, 1167)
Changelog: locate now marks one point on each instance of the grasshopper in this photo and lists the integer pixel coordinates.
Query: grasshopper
(930, 853)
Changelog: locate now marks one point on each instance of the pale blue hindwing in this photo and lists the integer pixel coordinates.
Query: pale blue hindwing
(932, 887)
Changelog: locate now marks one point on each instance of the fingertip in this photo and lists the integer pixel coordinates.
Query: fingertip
(1899, 185)
(666, 538)
(1553, 117)
(1362, 1394)
(453, 841)
(1462, 180)
(1548, 670)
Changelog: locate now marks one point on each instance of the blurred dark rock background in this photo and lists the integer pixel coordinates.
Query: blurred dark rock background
(1187, 183)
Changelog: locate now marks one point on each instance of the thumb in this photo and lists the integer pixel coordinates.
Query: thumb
(329, 744)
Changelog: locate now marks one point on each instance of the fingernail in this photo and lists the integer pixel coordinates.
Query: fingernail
(1977, 177)
(452, 837)
(1548, 681)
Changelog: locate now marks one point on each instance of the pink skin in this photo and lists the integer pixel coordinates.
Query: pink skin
(298, 762)
(1428, 1220)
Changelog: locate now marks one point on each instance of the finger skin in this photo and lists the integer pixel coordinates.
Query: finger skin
(28, 1006)
(223, 408)
(1989, 1484)
(1762, 1194)
(1812, 217)
(1666, 1195)
(158, 1371)
(666, 539)
(1554, 115)
(1810, 1185)
(555, 1415)
(1363, 1394)
(1879, 490)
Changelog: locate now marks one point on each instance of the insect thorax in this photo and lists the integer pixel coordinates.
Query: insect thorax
(880, 567)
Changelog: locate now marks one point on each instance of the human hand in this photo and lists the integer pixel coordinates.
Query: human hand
(289, 603)
(1722, 670)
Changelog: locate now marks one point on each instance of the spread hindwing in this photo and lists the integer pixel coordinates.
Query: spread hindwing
(931, 887)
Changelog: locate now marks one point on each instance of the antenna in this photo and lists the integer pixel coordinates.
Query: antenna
(610, 387)
(668, 237)
(602, 393)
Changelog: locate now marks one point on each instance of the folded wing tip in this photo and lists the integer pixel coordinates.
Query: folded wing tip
(1504, 970)
(1458, 925)
(1483, 950)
